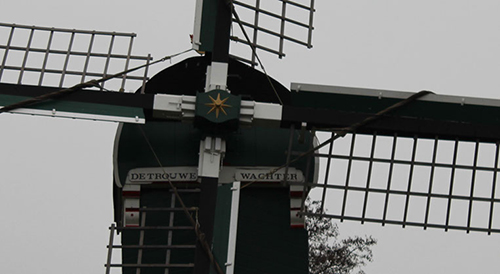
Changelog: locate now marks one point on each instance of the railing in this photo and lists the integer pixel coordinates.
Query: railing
(146, 243)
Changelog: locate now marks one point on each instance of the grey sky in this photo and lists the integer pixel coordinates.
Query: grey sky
(55, 174)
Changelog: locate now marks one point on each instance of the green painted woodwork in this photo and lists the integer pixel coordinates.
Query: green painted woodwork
(221, 226)
(208, 22)
(441, 111)
(265, 243)
(178, 144)
(266, 147)
(161, 197)
(76, 107)
(206, 106)
(217, 111)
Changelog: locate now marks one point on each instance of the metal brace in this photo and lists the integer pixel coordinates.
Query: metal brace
(212, 151)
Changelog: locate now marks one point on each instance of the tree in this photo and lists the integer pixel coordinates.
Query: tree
(328, 254)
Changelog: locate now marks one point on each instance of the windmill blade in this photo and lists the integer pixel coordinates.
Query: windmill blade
(84, 104)
(449, 117)
(257, 26)
(433, 163)
(429, 183)
(266, 25)
(60, 63)
(344, 56)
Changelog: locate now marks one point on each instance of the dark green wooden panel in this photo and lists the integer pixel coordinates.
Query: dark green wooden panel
(448, 117)
(76, 107)
(221, 226)
(208, 22)
(177, 144)
(266, 244)
(467, 113)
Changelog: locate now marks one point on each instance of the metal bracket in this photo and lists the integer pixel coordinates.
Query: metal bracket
(174, 107)
(182, 107)
(217, 76)
(260, 114)
(212, 151)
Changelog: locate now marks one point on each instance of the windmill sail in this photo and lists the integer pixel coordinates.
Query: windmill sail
(433, 163)
(40, 60)
(266, 25)
(228, 190)
(257, 26)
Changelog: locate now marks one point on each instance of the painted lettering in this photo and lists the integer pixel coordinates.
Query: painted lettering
(245, 176)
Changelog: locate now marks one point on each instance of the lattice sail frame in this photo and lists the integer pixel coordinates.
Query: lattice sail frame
(270, 23)
(411, 182)
(417, 175)
(58, 57)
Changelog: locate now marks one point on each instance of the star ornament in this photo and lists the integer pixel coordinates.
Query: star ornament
(217, 105)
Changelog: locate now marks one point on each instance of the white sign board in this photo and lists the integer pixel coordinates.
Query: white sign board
(227, 175)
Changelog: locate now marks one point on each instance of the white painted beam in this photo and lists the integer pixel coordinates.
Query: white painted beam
(78, 115)
(233, 228)
(174, 107)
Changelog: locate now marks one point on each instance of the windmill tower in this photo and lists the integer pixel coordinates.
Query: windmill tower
(317, 120)
(147, 176)
(220, 96)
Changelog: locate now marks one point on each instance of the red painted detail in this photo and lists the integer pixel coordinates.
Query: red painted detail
(295, 208)
(296, 194)
(131, 225)
(297, 225)
(131, 209)
(131, 194)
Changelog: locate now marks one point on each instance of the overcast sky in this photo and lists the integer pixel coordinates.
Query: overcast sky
(55, 174)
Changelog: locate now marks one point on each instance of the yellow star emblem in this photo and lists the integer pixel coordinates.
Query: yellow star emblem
(217, 105)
